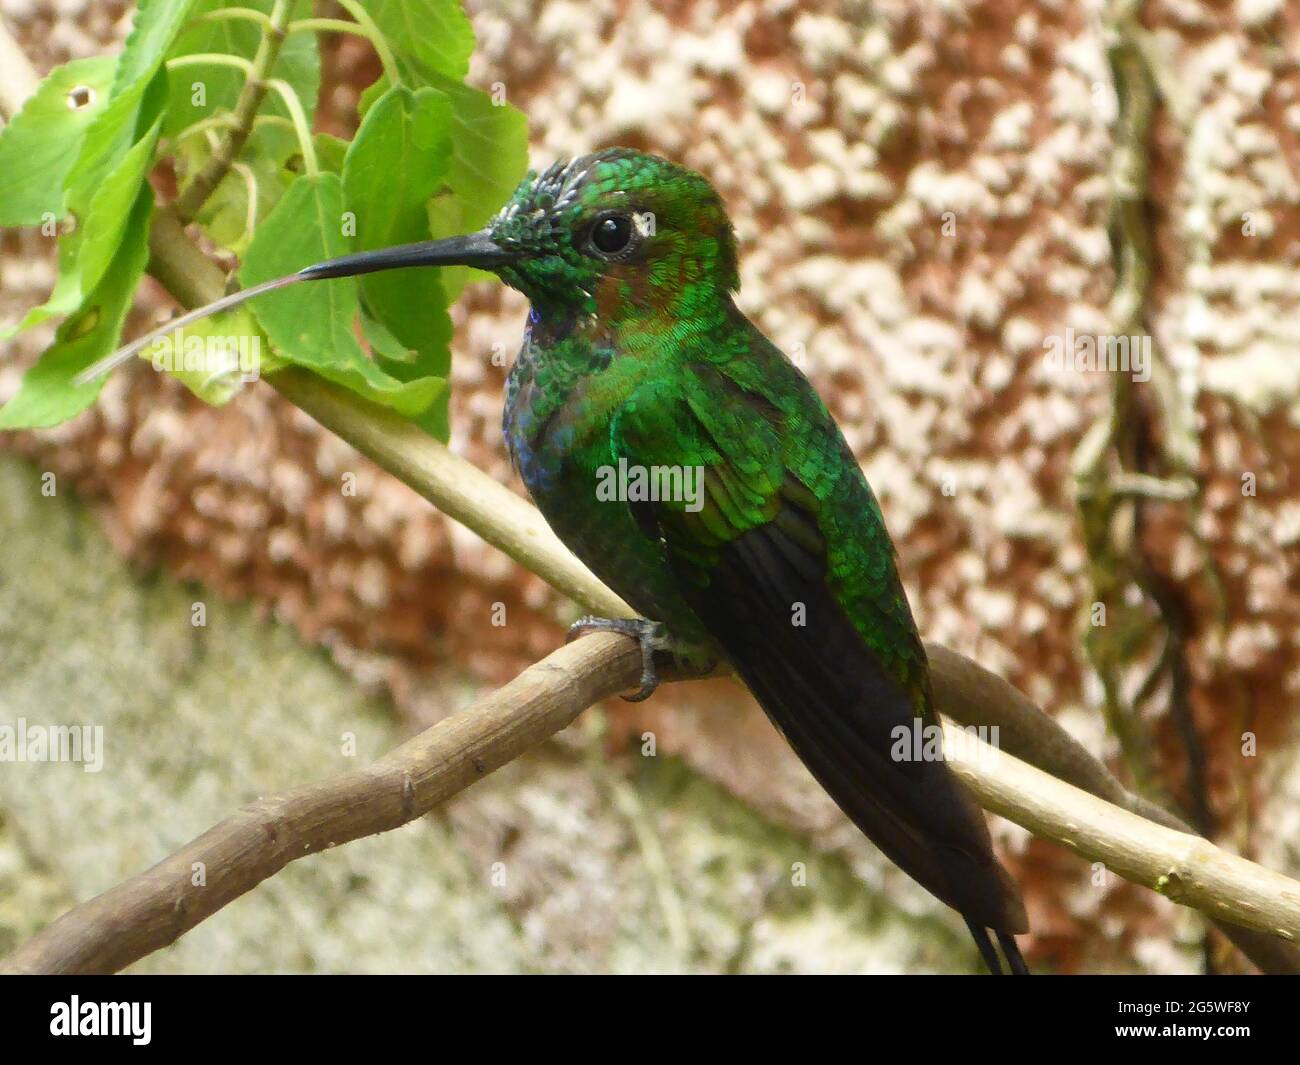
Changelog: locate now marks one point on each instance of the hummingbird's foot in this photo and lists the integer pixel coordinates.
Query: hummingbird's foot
(651, 636)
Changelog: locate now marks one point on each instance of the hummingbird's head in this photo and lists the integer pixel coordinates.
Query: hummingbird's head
(617, 233)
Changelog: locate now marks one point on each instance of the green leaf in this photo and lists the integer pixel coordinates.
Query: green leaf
(383, 343)
(434, 34)
(489, 158)
(114, 160)
(330, 152)
(214, 357)
(298, 64)
(489, 154)
(411, 399)
(86, 253)
(120, 125)
(313, 324)
(47, 395)
(435, 419)
(138, 96)
(157, 23)
(399, 158)
(412, 307)
(397, 161)
(432, 40)
(106, 221)
(372, 93)
(39, 147)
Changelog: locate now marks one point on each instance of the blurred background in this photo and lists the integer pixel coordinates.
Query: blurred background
(924, 194)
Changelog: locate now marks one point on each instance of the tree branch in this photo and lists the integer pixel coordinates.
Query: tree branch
(153, 909)
(1179, 865)
(971, 695)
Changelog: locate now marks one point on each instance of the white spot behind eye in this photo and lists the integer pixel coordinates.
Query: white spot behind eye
(644, 222)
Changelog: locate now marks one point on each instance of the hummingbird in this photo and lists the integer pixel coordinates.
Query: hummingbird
(693, 467)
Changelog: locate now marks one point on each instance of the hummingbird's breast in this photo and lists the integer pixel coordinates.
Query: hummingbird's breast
(547, 408)
(562, 395)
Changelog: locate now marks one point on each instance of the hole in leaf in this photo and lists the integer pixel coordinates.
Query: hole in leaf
(80, 98)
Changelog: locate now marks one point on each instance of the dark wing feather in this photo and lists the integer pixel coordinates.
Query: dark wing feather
(745, 559)
(838, 708)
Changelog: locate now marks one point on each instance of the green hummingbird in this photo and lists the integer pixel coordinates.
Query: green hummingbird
(696, 471)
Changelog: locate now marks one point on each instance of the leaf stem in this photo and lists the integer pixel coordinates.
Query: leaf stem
(300, 125)
(213, 59)
(250, 184)
(377, 38)
(370, 33)
(225, 14)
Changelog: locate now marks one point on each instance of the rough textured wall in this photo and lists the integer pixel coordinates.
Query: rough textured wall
(922, 193)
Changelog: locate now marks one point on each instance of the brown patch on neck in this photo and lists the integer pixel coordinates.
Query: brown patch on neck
(611, 302)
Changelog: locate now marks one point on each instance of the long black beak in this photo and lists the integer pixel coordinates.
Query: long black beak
(477, 249)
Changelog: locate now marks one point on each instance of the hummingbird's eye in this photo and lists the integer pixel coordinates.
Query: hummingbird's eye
(611, 234)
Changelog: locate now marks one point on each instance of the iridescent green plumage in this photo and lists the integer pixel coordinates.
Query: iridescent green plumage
(640, 355)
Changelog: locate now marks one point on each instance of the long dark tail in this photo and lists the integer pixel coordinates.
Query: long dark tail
(842, 710)
(1015, 961)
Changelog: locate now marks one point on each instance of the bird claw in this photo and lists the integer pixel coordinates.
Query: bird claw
(651, 636)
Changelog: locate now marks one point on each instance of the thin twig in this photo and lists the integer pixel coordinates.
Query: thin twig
(233, 14)
(205, 182)
(370, 33)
